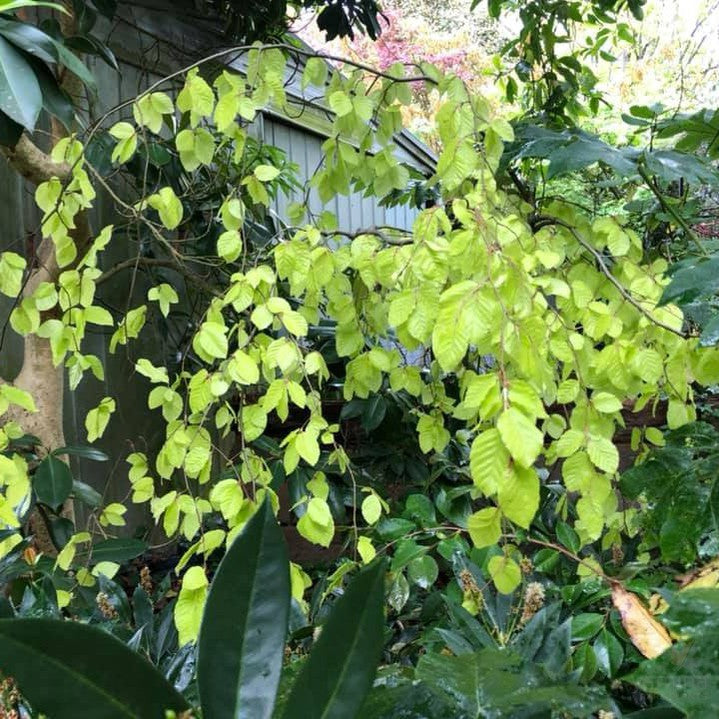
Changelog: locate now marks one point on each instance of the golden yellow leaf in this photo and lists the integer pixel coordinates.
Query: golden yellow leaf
(703, 577)
(657, 604)
(646, 633)
(706, 576)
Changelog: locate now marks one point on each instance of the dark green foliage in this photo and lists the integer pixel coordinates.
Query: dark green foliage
(397, 695)
(499, 683)
(692, 612)
(692, 278)
(680, 483)
(52, 482)
(453, 646)
(687, 674)
(266, 20)
(85, 672)
(245, 624)
(570, 150)
(693, 287)
(71, 670)
(29, 60)
(697, 131)
(560, 82)
(339, 673)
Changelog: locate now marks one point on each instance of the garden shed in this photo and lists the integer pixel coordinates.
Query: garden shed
(152, 39)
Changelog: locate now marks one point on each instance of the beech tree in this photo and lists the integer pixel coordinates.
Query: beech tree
(540, 324)
(493, 355)
(45, 72)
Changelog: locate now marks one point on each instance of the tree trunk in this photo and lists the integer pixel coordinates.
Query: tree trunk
(46, 384)
(38, 375)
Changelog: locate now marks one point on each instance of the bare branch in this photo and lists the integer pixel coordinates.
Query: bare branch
(397, 236)
(177, 265)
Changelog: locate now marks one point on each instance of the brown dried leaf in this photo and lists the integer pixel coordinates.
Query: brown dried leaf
(646, 633)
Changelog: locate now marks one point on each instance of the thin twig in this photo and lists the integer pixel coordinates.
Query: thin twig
(669, 209)
(176, 265)
(380, 232)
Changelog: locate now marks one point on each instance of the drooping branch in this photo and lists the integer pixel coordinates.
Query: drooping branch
(388, 234)
(241, 49)
(543, 221)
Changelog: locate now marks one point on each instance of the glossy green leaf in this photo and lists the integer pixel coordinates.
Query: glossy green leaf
(670, 165)
(54, 99)
(696, 278)
(70, 670)
(585, 626)
(30, 39)
(73, 63)
(115, 550)
(495, 683)
(373, 412)
(85, 493)
(609, 653)
(243, 631)
(568, 537)
(395, 696)
(693, 611)
(20, 95)
(420, 508)
(423, 571)
(83, 452)
(405, 551)
(398, 593)
(686, 675)
(710, 332)
(52, 481)
(339, 673)
(393, 528)
(680, 482)
(584, 661)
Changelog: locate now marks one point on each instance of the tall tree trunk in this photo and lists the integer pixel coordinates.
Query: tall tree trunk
(45, 383)
(38, 375)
